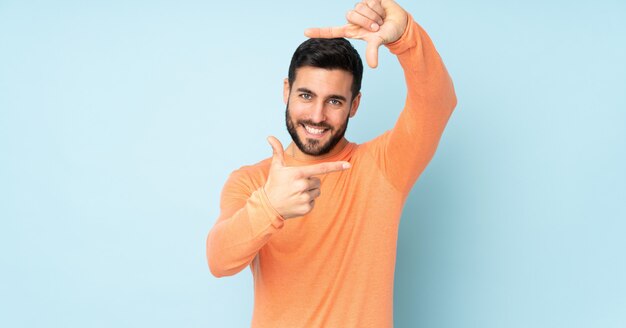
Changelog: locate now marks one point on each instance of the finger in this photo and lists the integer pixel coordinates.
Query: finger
(363, 21)
(326, 32)
(278, 157)
(314, 183)
(314, 193)
(323, 168)
(376, 6)
(364, 9)
(371, 51)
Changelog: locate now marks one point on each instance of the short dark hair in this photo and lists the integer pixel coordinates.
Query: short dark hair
(329, 54)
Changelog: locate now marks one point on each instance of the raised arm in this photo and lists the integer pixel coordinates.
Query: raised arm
(403, 152)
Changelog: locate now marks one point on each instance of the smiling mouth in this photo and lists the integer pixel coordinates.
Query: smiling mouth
(314, 131)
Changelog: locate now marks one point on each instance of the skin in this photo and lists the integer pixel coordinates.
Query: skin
(321, 99)
(315, 99)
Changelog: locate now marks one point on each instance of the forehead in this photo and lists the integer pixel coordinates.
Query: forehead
(323, 81)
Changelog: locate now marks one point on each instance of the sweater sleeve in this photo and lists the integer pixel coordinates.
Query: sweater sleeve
(403, 152)
(246, 222)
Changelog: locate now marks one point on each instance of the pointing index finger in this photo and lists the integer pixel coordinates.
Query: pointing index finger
(323, 168)
(326, 32)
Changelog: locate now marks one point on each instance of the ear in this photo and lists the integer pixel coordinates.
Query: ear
(286, 90)
(355, 105)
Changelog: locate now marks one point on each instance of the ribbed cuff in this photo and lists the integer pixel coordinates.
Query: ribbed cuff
(276, 219)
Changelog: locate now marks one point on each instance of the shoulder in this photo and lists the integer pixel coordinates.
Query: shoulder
(250, 177)
(242, 182)
(376, 146)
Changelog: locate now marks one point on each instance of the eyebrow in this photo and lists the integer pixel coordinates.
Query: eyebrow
(338, 97)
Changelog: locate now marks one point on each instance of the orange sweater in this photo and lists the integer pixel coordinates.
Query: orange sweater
(334, 267)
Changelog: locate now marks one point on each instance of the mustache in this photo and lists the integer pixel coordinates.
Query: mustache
(317, 125)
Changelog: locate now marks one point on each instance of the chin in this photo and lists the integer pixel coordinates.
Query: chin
(310, 144)
(314, 148)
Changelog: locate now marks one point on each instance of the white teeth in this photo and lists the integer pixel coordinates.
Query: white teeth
(314, 130)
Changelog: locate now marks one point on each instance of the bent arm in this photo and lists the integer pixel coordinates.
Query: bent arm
(246, 222)
(404, 151)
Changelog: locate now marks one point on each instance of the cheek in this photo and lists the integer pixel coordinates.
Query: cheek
(298, 111)
(338, 118)
(295, 116)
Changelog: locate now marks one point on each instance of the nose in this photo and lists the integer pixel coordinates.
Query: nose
(318, 114)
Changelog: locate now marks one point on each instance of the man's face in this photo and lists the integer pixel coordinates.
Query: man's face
(319, 104)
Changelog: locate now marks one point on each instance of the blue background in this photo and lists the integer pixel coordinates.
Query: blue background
(120, 121)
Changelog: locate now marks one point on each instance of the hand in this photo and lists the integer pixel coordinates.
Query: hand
(376, 22)
(292, 190)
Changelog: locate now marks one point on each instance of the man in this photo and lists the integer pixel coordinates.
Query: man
(318, 222)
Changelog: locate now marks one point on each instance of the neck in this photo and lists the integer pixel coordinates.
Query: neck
(296, 153)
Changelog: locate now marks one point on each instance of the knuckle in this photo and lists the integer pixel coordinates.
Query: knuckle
(300, 185)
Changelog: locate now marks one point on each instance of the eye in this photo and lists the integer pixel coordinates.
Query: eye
(335, 102)
(306, 96)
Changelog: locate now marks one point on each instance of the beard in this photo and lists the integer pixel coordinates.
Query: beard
(310, 146)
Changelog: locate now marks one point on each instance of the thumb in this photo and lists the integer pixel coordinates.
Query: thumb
(277, 156)
(371, 51)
